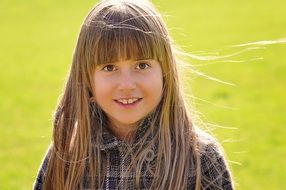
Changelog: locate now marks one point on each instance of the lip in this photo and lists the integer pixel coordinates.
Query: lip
(128, 105)
(127, 98)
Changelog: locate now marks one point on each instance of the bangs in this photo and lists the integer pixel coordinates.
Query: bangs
(121, 33)
(125, 43)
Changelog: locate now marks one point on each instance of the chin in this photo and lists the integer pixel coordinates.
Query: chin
(130, 121)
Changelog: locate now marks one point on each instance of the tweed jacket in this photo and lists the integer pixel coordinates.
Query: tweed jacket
(213, 167)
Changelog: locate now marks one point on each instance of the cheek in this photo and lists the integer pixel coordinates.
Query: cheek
(154, 85)
(102, 90)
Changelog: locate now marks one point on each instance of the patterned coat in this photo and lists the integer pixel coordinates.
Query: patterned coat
(213, 166)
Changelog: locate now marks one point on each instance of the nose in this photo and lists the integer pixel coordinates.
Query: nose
(126, 81)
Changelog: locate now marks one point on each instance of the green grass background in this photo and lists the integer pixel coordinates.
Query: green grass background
(37, 39)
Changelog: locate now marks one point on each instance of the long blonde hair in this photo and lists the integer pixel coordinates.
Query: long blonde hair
(113, 30)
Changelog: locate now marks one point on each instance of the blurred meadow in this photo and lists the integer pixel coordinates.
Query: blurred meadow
(243, 92)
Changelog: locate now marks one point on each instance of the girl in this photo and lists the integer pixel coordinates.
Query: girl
(122, 122)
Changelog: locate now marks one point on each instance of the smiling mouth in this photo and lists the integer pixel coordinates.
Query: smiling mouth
(130, 101)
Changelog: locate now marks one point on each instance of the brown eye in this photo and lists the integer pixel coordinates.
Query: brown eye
(142, 66)
(109, 68)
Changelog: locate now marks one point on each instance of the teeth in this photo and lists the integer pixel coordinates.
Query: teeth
(128, 101)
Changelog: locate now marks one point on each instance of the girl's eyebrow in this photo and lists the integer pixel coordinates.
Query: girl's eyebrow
(144, 60)
(147, 60)
(106, 63)
(137, 60)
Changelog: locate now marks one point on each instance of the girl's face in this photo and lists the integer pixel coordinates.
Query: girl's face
(128, 90)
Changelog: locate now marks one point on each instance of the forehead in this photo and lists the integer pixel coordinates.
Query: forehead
(125, 44)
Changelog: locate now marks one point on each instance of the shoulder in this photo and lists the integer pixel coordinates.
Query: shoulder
(208, 145)
(214, 168)
(38, 184)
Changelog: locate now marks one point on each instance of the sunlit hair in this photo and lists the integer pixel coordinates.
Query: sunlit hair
(122, 30)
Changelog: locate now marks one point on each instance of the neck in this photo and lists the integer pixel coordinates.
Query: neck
(123, 132)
